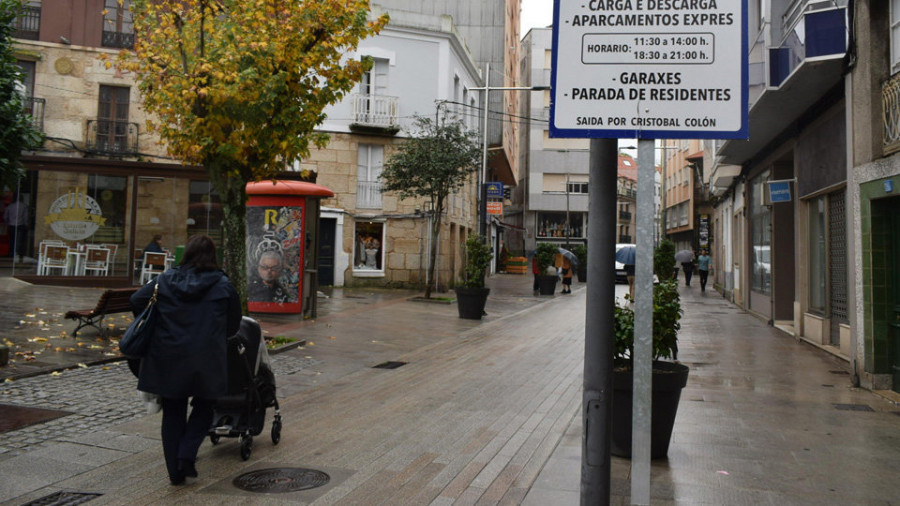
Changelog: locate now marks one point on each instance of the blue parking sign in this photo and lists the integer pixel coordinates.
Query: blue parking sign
(779, 191)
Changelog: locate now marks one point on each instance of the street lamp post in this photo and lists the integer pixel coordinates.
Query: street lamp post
(487, 88)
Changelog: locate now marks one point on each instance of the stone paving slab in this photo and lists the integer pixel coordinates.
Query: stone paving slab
(490, 414)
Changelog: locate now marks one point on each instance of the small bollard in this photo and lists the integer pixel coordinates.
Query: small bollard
(4, 355)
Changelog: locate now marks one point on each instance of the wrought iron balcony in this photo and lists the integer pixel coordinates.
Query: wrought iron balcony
(375, 111)
(625, 215)
(34, 107)
(625, 239)
(113, 138)
(28, 24)
(890, 103)
(117, 39)
(368, 195)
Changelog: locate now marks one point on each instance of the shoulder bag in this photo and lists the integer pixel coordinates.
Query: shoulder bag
(137, 336)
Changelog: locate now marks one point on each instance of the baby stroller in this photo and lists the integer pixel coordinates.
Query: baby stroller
(251, 389)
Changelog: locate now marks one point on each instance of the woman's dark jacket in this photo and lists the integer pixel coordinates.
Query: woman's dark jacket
(187, 353)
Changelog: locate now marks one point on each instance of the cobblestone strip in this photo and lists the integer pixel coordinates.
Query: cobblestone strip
(98, 397)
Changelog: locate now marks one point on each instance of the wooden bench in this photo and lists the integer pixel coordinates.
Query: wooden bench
(115, 300)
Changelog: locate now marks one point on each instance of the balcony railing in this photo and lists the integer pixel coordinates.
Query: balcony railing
(34, 107)
(117, 39)
(374, 111)
(368, 195)
(627, 194)
(625, 239)
(625, 215)
(890, 103)
(114, 138)
(28, 24)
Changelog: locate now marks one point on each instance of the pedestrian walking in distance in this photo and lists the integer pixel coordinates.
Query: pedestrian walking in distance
(703, 268)
(566, 275)
(198, 308)
(686, 258)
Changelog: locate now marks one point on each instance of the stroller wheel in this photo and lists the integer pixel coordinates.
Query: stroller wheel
(246, 446)
(214, 439)
(276, 432)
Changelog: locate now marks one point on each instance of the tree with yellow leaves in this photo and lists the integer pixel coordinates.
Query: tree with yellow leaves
(238, 86)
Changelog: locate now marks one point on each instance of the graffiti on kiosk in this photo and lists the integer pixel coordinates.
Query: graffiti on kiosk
(75, 216)
(274, 249)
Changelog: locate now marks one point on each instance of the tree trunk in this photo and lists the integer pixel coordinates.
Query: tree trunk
(435, 233)
(233, 192)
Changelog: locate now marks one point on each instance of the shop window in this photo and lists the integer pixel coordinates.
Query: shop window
(817, 252)
(205, 214)
(761, 238)
(552, 224)
(111, 195)
(368, 254)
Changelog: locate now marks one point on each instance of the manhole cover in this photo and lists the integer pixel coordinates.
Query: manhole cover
(852, 407)
(281, 480)
(16, 417)
(63, 498)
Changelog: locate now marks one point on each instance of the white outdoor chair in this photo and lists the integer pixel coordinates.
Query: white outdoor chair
(97, 260)
(55, 257)
(113, 249)
(154, 264)
(42, 252)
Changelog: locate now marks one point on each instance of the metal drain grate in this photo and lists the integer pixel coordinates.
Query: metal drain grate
(389, 365)
(840, 372)
(63, 498)
(852, 407)
(281, 480)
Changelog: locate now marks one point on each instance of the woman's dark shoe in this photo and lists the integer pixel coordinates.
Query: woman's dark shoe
(176, 480)
(186, 468)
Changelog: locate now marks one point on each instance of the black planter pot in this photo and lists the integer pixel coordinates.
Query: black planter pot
(668, 380)
(581, 272)
(470, 302)
(547, 284)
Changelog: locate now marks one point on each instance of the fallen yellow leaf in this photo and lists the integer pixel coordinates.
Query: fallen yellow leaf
(82, 365)
(331, 337)
(55, 373)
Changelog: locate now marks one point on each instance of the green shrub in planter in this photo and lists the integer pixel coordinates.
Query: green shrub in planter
(471, 295)
(668, 378)
(580, 251)
(664, 259)
(546, 254)
(666, 324)
(478, 259)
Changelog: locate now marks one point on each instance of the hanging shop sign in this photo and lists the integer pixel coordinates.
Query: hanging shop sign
(74, 216)
(494, 207)
(494, 189)
(649, 69)
(779, 191)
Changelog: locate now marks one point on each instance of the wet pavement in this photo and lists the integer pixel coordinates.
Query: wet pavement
(482, 413)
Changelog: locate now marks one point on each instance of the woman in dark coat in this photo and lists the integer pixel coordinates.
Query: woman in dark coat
(198, 309)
